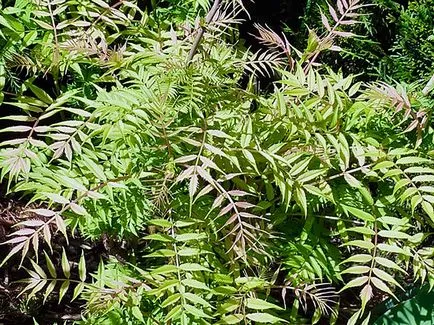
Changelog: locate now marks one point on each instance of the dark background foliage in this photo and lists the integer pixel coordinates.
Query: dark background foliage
(394, 38)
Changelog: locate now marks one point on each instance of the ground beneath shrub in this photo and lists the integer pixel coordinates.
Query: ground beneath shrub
(16, 308)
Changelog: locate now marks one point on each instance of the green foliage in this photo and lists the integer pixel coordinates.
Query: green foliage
(399, 44)
(168, 11)
(230, 215)
(417, 309)
(413, 49)
(361, 54)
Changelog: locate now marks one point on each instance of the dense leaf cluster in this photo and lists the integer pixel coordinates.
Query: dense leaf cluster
(413, 49)
(394, 42)
(217, 205)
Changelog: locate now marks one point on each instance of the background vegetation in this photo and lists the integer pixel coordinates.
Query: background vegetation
(190, 162)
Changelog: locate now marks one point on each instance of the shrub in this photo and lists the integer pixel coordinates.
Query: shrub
(413, 49)
(211, 212)
(364, 53)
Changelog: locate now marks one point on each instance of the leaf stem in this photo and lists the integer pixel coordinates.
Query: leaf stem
(201, 30)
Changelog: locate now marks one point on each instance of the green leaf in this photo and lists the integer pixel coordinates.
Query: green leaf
(165, 269)
(161, 223)
(356, 270)
(418, 169)
(316, 316)
(162, 253)
(355, 283)
(49, 290)
(358, 258)
(173, 313)
(228, 306)
(171, 300)
(246, 136)
(77, 209)
(56, 198)
(190, 236)
(294, 311)
(137, 313)
(96, 169)
(400, 184)
(300, 197)
(82, 268)
(313, 190)
(50, 266)
(224, 290)
(362, 230)
(42, 95)
(259, 304)
(366, 294)
(352, 181)
(393, 249)
(160, 237)
(196, 312)
(38, 270)
(193, 267)
(428, 208)
(393, 234)
(65, 264)
(310, 175)
(196, 299)
(188, 251)
(40, 284)
(78, 290)
(218, 133)
(354, 318)
(381, 285)
(265, 318)
(232, 319)
(63, 288)
(392, 221)
(412, 161)
(383, 164)
(388, 264)
(423, 178)
(72, 183)
(251, 159)
(13, 251)
(365, 216)
(300, 167)
(195, 284)
(360, 243)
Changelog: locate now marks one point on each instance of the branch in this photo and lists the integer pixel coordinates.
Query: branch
(201, 30)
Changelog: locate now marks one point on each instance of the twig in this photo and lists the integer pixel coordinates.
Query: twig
(351, 171)
(201, 30)
(66, 317)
